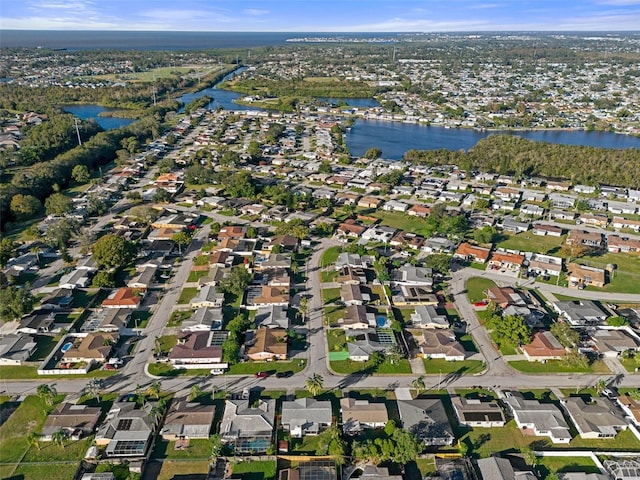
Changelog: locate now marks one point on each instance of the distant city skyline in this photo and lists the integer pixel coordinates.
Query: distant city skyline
(322, 16)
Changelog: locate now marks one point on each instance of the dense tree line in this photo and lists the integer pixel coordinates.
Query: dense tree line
(513, 155)
(328, 87)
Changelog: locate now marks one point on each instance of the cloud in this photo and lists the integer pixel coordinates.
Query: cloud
(255, 12)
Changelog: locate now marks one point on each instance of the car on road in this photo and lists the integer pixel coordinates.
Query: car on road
(261, 375)
(286, 374)
(481, 303)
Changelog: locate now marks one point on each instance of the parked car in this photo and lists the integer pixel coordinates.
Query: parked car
(261, 375)
(286, 374)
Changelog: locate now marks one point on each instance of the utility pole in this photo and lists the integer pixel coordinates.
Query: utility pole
(77, 130)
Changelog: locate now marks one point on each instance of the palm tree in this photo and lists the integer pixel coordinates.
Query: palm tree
(34, 439)
(60, 437)
(153, 390)
(419, 384)
(600, 386)
(47, 393)
(304, 307)
(195, 392)
(94, 388)
(315, 384)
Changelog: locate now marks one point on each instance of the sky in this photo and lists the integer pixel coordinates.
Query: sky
(321, 15)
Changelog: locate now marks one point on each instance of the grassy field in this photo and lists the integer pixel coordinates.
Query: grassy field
(199, 448)
(187, 294)
(250, 368)
(404, 222)
(333, 314)
(255, 470)
(349, 367)
(178, 469)
(528, 242)
(330, 295)
(557, 366)
(436, 366)
(330, 256)
(57, 471)
(626, 276)
(196, 275)
(547, 465)
(328, 276)
(476, 287)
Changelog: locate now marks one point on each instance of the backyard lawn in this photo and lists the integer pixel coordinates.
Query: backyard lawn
(528, 242)
(404, 222)
(476, 288)
(255, 470)
(330, 256)
(177, 469)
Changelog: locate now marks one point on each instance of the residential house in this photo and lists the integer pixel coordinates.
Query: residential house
(580, 276)
(220, 259)
(96, 347)
(362, 343)
(406, 295)
(618, 244)
(247, 428)
(351, 276)
(77, 421)
(305, 416)
(438, 245)
(38, 321)
(584, 238)
(277, 296)
(266, 344)
(143, 279)
(612, 343)
(542, 230)
(395, 206)
(505, 262)
(352, 295)
(379, 473)
(559, 200)
(107, 320)
(59, 299)
(379, 233)
(540, 419)
(204, 319)
(274, 261)
(356, 317)
(512, 225)
(426, 316)
(350, 229)
(406, 239)
(207, 296)
(497, 468)
(441, 344)
(195, 350)
(593, 220)
(15, 349)
(427, 420)
(352, 260)
(545, 265)
(419, 210)
(369, 202)
(505, 296)
(599, 418)
(358, 415)
(124, 297)
(78, 278)
(414, 276)
(285, 243)
(544, 346)
(621, 222)
(233, 231)
(468, 252)
(272, 316)
(128, 428)
(186, 419)
(631, 407)
(473, 412)
(580, 313)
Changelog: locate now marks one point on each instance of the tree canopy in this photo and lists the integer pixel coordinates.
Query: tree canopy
(112, 251)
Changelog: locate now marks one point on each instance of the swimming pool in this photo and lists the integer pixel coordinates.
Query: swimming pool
(66, 347)
(381, 321)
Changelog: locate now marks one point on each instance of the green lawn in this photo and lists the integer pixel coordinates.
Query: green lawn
(630, 364)
(140, 319)
(626, 276)
(187, 294)
(547, 465)
(336, 339)
(196, 275)
(330, 256)
(404, 222)
(328, 276)
(199, 448)
(177, 469)
(557, 366)
(528, 242)
(45, 345)
(177, 317)
(50, 452)
(333, 314)
(349, 367)
(166, 343)
(255, 470)
(476, 288)
(250, 368)
(436, 366)
(330, 295)
(58, 471)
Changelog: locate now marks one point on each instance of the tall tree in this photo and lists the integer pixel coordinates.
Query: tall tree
(15, 301)
(113, 251)
(57, 204)
(47, 393)
(315, 384)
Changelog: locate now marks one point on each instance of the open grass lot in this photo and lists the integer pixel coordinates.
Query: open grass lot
(328, 276)
(386, 367)
(547, 465)
(436, 366)
(557, 366)
(626, 276)
(57, 471)
(199, 448)
(180, 468)
(333, 314)
(255, 470)
(250, 368)
(330, 295)
(528, 242)
(187, 294)
(624, 440)
(50, 452)
(476, 287)
(336, 339)
(196, 275)
(162, 72)
(403, 222)
(28, 417)
(330, 256)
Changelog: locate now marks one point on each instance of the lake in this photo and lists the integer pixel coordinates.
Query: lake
(395, 138)
(85, 112)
